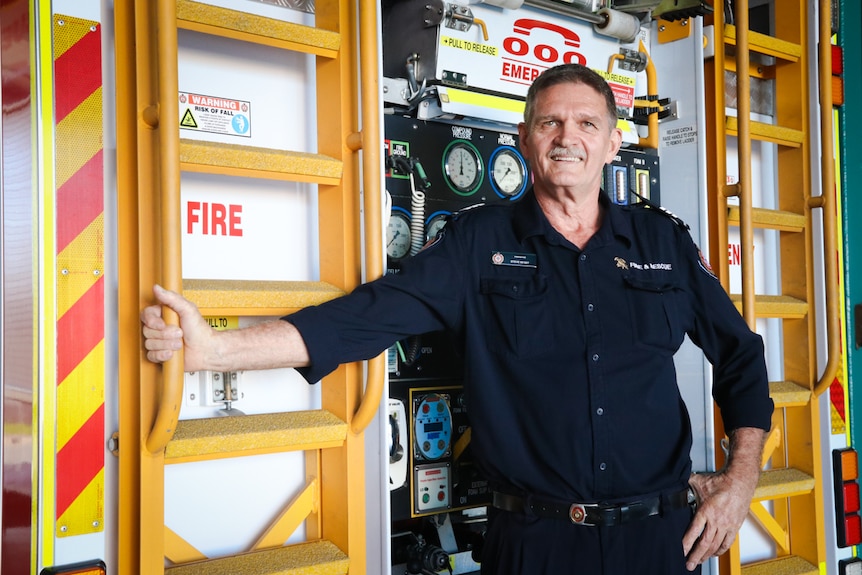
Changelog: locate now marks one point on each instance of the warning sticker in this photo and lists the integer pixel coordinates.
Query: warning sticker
(216, 115)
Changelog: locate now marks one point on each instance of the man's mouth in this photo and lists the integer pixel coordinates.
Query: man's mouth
(563, 155)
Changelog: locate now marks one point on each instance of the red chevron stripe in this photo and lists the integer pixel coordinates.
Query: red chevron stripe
(80, 329)
(78, 73)
(80, 201)
(80, 460)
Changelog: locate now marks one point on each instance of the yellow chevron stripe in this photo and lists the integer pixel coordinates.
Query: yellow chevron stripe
(81, 394)
(81, 133)
(80, 265)
(87, 513)
(66, 36)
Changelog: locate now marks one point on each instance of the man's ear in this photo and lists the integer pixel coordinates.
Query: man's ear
(522, 137)
(616, 141)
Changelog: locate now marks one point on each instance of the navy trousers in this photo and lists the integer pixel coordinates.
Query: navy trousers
(519, 544)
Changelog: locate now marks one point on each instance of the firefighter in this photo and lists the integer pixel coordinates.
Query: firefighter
(568, 310)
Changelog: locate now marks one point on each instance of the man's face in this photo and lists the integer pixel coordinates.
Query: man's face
(570, 139)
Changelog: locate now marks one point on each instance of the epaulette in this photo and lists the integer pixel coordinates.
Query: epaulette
(662, 210)
(454, 215)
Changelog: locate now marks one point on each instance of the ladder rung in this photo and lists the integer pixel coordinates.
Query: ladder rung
(770, 219)
(242, 435)
(253, 162)
(790, 565)
(779, 306)
(789, 394)
(256, 298)
(247, 27)
(765, 44)
(314, 558)
(768, 133)
(782, 482)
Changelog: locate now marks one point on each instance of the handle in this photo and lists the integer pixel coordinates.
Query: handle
(371, 169)
(826, 201)
(168, 410)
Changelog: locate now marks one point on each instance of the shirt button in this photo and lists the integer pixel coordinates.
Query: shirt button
(600, 411)
(590, 307)
(595, 357)
(603, 466)
(515, 289)
(583, 257)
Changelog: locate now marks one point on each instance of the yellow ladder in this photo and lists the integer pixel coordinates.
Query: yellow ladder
(792, 484)
(151, 157)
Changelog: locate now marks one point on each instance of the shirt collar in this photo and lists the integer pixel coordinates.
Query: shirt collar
(530, 220)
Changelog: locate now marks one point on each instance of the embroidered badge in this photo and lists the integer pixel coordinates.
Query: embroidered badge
(513, 259)
(704, 264)
(621, 263)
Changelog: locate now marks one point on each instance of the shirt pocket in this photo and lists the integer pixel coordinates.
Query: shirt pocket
(653, 300)
(517, 318)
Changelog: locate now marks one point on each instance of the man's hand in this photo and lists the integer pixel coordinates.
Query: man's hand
(162, 340)
(724, 498)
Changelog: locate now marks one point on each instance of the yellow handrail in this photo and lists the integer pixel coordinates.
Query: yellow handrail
(743, 111)
(371, 170)
(825, 201)
(168, 412)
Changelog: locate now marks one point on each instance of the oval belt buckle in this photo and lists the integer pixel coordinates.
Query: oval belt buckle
(577, 514)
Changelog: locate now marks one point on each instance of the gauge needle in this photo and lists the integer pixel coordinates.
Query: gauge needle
(397, 233)
(462, 163)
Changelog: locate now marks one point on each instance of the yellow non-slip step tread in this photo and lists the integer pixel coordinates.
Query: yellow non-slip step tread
(789, 394)
(790, 565)
(247, 27)
(314, 558)
(783, 482)
(256, 162)
(766, 45)
(775, 306)
(770, 219)
(780, 135)
(242, 435)
(256, 298)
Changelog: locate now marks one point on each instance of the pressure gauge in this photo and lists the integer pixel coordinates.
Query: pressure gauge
(434, 224)
(432, 427)
(508, 172)
(463, 167)
(398, 235)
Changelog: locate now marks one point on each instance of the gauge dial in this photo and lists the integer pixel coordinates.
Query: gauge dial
(432, 427)
(435, 224)
(398, 235)
(508, 172)
(463, 167)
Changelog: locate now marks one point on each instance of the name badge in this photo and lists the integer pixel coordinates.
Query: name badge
(513, 259)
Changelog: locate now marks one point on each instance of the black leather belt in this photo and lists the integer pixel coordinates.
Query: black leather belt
(595, 514)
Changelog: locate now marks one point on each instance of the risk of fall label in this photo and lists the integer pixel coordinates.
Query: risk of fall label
(215, 115)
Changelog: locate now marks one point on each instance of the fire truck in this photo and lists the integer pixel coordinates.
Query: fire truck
(261, 156)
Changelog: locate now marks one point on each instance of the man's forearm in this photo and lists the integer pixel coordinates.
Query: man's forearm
(262, 346)
(744, 455)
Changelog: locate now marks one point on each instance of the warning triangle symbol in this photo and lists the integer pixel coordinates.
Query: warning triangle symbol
(188, 120)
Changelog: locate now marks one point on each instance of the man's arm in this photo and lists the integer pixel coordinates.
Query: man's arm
(724, 497)
(262, 346)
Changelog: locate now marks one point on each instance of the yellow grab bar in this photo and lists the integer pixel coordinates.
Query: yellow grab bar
(743, 112)
(168, 412)
(825, 201)
(370, 80)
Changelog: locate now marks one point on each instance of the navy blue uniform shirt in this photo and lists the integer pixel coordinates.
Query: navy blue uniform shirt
(568, 352)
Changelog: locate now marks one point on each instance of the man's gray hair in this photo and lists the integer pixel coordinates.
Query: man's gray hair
(576, 74)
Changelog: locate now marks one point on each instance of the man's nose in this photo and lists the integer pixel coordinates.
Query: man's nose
(567, 135)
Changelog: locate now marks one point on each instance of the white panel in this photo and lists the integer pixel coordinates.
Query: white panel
(268, 229)
(222, 507)
(277, 83)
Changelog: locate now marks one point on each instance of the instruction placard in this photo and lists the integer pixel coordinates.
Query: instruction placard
(215, 115)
